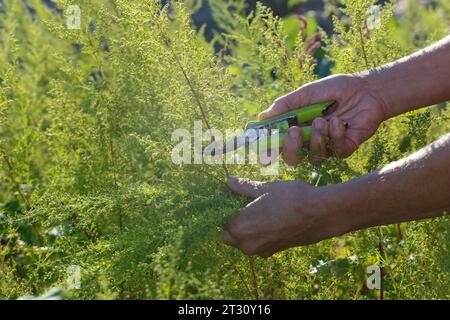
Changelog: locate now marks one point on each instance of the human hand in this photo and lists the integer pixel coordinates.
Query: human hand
(357, 107)
(284, 214)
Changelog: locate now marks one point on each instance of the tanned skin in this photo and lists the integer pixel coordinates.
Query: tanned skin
(286, 214)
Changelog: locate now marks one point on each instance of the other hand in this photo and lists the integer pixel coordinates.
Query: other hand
(284, 214)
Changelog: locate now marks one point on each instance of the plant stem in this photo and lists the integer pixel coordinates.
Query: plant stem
(205, 120)
(212, 176)
(363, 49)
(399, 231)
(114, 173)
(255, 282)
(380, 244)
(194, 93)
(381, 251)
(243, 281)
(113, 162)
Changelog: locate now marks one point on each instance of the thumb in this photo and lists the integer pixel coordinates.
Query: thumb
(314, 92)
(246, 187)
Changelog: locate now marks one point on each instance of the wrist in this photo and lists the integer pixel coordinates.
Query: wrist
(345, 206)
(373, 83)
(332, 206)
(316, 214)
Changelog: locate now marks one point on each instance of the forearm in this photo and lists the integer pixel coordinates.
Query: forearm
(419, 80)
(413, 188)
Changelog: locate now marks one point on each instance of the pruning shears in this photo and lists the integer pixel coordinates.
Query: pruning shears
(266, 133)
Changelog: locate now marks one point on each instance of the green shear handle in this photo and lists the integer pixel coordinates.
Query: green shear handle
(277, 127)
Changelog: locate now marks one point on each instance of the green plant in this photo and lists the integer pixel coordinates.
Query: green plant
(87, 176)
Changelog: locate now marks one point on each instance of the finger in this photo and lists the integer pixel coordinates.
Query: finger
(293, 143)
(266, 158)
(246, 187)
(248, 230)
(236, 234)
(313, 92)
(266, 254)
(288, 102)
(270, 250)
(247, 223)
(340, 146)
(318, 146)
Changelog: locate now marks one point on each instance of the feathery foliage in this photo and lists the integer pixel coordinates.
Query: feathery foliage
(87, 177)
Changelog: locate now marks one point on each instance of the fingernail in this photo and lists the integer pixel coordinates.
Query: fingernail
(265, 112)
(294, 133)
(320, 124)
(334, 124)
(262, 114)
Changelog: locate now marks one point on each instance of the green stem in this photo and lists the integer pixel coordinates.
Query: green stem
(244, 282)
(380, 244)
(381, 251)
(113, 162)
(114, 173)
(363, 49)
(399, 231)
(194, 93)
(254, 279)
